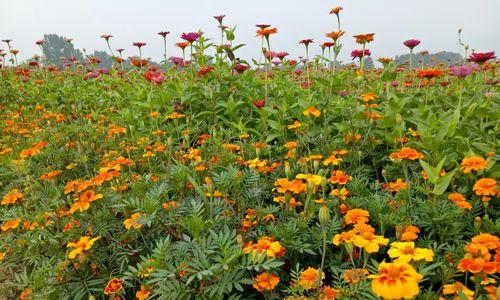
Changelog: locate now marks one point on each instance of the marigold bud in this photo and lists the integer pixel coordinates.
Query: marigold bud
(324, 216)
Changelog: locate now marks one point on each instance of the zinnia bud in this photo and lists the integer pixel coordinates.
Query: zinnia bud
(399, 119)
(324, 216)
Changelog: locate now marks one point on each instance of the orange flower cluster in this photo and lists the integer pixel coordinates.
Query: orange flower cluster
(265, 281)
(478, 258)
(35, 149)
(406, 153)
(459, 200)
(398, 185)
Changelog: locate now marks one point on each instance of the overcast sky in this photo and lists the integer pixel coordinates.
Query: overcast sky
(434, 22)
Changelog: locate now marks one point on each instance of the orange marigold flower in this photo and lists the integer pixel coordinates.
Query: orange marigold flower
(51, 175)
(84, 201)
(12, 197)
(309, 278)
(143, 293)
(133, 221)
(342, 193)
(453, 289)
(296, 186)
(476, 265)
(354, 275)
(410, 233)
(343, 237)
(368, 97)
(311, 111)
(113, 286)
(11, 224)
(356, 215)
(473, 163)
(329, 293)
(406, 153)
(397, 186)
(338, 177)
(485, 187)
(266, 281)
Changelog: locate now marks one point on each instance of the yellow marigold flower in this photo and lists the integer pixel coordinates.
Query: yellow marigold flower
(266, 245)
(342, 193)
(332, 160)
(406, 252)
(485, 187)
(452, 289)
(311, 111)
(395, 281)
(309, 278)
(315, 179)
(81, 246)
(175, 115)
(356, 215)
(84, 201)
(5, 151)
(295, 125)
(370, 242)
(11, 224)
(12, 197)
(291, 145)
(133, 221)
(2, 256)
(154, 114)
(266, 281)
(343, 237)
(473, 163)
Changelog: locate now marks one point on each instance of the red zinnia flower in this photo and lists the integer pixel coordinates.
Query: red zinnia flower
(481, 57)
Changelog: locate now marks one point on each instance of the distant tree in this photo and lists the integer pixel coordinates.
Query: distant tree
(56, 47)
(445, 57)
(368, 63)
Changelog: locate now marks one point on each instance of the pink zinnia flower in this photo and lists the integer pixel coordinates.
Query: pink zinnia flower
(190, 37)
(411, 43)
(461, 71)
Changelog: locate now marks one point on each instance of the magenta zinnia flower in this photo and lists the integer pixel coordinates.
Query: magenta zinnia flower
(461, 71)
(482, 57)
(190, 37)
(411, 43)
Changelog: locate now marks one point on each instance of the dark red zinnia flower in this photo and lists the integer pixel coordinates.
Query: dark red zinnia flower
(163, 33)
(259, 103)
(481, 57)
(306, 42)
(262, 26)
(203, 71)
(139, 44)
(411, 43)
(240, 68)
(219, 18)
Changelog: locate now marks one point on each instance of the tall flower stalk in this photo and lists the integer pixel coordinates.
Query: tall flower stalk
(164, 36)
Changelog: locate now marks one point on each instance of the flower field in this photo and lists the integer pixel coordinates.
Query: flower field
(207, 177)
